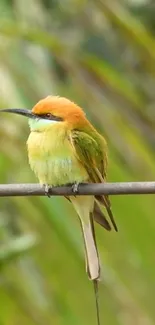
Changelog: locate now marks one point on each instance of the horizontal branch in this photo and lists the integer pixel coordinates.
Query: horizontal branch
(83, 189)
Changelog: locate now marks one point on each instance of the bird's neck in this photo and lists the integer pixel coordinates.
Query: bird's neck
(50, 139)
(43, 125)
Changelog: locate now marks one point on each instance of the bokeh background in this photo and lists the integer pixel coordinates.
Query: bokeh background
(101, 54)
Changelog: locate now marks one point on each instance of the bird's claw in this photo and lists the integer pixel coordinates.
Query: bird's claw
(47, 190)
(75, 188)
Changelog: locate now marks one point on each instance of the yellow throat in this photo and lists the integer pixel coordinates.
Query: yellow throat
(51, 155)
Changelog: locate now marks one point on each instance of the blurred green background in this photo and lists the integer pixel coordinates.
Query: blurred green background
(101, 54)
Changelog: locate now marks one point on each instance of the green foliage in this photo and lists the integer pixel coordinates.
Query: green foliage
(101, 55)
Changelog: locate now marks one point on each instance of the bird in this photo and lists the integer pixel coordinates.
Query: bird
(65, 148)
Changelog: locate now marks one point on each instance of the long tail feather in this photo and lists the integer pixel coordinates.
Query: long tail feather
(84, 207)
(92, 260)
(96, 301)
(95, 281)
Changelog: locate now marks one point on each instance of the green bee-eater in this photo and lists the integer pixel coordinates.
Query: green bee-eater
(64, 148)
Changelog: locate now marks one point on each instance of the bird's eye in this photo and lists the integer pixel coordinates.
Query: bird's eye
(48, 115)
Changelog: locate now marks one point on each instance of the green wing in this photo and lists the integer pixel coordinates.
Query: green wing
(92, 154)
(91, 151)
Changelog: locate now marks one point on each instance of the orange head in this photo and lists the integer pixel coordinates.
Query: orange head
(61, 109)
(51, 110)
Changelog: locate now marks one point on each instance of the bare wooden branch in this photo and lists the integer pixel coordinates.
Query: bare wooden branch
(83, 189)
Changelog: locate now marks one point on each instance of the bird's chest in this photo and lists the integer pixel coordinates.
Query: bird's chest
(53, 159)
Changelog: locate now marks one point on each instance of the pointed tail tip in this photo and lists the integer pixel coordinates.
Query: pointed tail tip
(112, 218)
(113, 222)
(95, 282)
(115, 227)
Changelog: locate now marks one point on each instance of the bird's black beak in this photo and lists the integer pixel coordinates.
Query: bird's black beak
(20, 111)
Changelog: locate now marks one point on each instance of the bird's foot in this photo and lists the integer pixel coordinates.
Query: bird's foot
(75, 188)
(47, 190)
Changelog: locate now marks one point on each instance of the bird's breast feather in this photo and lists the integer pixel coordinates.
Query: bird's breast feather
(53, 160)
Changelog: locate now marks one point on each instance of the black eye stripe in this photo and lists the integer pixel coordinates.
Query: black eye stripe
(49, 116)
